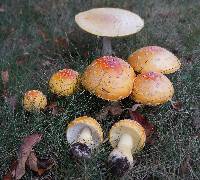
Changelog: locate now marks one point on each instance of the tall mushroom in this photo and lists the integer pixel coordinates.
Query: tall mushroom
(109, 22)
(154, 58)
(84, 134)
(109, 78)
(127, 137)
(152, 88)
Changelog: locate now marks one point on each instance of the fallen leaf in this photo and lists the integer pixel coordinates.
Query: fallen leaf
(5, 77)
(61, 42)
(176, 105)
(42, 34)
(184, 167)
(39, 165)
(2, 8)
(11, 101)
(27, 145)
(149, 127)
(115, 109)
(32, 162)
(45, 165)
(136, 106)
(54, 108)
(22, 59)
(11, 172)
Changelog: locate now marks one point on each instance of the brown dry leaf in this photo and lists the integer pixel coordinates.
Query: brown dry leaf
(11, 173)
(38, 165)
(5, 77)
(149, 127)
(22, 59)
(176, 105)
(43, 34)
(54, 108)
(11, 101)
(115, 109)
(27, 145)
(136, 106)
(61, 42)
(32, 162)
(45, 165)
(184, 167)
(2, 8)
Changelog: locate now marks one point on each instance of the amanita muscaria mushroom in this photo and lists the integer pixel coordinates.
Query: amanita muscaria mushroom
(34, 100)
(109, 78)
(84, 134)
(154, 58)
(109, 22)
(152, 88)
(64, 82)
(127, 137)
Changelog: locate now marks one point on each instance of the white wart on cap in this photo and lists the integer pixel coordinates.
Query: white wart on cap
(84, 134)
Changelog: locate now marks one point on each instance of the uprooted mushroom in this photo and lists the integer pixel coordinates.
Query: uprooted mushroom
(84, 134)
(127, 137)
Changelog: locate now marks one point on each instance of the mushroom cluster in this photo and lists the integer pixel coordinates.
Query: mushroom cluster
(112, 78)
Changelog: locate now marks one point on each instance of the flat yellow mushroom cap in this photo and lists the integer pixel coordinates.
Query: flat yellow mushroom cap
(109, 78)
(152, 89)
(154, 58)
(74, 128)
(34, 100)
(64, 82)
(131, 127)
(110, 22)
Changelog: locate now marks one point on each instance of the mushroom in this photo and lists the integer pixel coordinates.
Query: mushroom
(34, 100)
(127, 137)
(109, 22)
(154, 58)
(84, 134)
(152, 88)
(64, 82)
(109, 78)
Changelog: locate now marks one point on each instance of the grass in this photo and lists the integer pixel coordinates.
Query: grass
(28, 50)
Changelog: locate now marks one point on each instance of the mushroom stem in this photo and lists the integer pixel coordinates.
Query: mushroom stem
(125, 144)
(121, 159)
(85, 136)
(107, 48)
(82, 147)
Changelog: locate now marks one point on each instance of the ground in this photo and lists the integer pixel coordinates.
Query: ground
(39, 37)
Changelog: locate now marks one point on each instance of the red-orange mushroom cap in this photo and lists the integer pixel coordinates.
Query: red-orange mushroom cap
(64, 82)
(152, 88)
(109, 78)
(154, 58)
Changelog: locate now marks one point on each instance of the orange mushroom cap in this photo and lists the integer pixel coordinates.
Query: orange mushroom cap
(154, 58)
(109, 78)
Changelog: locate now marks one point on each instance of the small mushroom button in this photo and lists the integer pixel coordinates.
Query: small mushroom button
(34, 100)
(64, 82)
